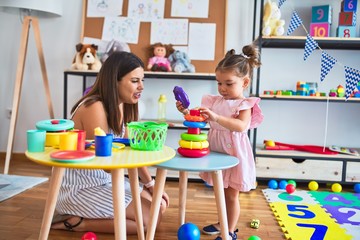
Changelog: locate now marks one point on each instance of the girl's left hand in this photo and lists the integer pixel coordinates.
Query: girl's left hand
(208, 114)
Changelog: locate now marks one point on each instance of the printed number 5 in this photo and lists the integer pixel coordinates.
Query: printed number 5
(303, 213)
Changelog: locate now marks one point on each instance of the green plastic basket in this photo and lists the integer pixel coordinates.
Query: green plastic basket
(147, 136)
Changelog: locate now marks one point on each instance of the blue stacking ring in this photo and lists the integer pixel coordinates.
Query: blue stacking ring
(194, 124)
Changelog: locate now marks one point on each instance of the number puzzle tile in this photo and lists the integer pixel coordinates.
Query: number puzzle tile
(352, 230)
(282, 196)
(336, 199)
(344, 214)
(301, 222)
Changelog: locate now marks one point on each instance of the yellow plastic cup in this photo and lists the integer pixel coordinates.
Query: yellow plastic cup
(68, 141)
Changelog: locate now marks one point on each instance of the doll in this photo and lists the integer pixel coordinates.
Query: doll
(158, 60)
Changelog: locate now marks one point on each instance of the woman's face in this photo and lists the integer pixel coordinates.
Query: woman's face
(131, 86)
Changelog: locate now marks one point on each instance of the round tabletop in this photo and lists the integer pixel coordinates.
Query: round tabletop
(212, 162)
(125, 158)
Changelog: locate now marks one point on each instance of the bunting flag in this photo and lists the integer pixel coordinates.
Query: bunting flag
(352, 77)
(310, 46)
(327, 63)
(281, 2)
(295, 22)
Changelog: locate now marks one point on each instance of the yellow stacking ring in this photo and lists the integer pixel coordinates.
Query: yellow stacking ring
(193, 144)
(194, 137)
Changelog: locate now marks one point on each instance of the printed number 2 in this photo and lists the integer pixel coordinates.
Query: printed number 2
(306, 214)
(319, 233)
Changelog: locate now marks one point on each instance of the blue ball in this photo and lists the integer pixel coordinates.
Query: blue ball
(273, 184)
(188, 231)
(282, 184)
(357, 187)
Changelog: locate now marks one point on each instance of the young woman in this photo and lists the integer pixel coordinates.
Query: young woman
(85, 197)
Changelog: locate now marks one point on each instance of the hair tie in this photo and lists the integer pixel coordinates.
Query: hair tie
(245, 56)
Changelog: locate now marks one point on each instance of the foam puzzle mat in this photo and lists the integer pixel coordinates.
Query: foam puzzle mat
(316, 215)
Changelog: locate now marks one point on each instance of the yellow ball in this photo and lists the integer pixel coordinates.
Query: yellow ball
(269, 143)
(313, 186)
(336, 187)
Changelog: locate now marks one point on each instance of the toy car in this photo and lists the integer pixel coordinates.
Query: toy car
(255, 223)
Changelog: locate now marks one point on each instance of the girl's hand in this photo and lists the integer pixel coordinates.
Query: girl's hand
(208, 114)
(181, 108)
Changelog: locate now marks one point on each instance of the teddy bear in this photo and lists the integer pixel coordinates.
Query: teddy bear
(86, 58)
(114, 46)
(158, 60)
(273, 25)
(180, 62)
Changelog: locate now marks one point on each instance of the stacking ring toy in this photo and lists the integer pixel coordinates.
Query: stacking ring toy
(181, 96)
(194, 137)
(192, 118)
(193, 144)
(54, 125)
(193, 153)
(194, 124)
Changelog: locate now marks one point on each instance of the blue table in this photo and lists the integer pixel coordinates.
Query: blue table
(214, 162)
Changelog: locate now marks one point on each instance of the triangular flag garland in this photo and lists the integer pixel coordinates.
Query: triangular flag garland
(281, 2)
(352, 77)
(327, 63)
(310, 46)
(295, 22)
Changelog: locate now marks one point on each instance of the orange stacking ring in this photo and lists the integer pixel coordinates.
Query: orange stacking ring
(193, 153)
(192, 118)
(193, 144)
(194, 137)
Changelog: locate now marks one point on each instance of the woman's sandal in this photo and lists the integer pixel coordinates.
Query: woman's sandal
(70, 227)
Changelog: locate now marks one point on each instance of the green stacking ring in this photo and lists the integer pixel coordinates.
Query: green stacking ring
(194, 137)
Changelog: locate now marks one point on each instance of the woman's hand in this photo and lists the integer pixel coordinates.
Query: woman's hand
(165, 196)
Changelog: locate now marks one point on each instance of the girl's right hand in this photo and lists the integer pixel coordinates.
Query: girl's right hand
(181, 108)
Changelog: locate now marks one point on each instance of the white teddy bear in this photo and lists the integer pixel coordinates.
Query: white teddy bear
(272, 24)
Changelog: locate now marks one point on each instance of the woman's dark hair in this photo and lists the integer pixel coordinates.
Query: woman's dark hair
(105, 89)
(241, 64)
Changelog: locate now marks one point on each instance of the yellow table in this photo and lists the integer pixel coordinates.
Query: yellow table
(125, 158)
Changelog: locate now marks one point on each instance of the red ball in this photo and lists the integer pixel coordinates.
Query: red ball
(89, 236)
(290, 188)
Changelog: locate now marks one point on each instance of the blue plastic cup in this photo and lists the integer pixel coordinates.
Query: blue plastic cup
(103, 145)
(36, 140)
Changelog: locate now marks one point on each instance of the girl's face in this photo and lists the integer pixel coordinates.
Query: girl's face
(230, 86)
(131, 86)
(159, 51)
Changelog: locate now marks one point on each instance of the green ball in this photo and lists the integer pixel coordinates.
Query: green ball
(292, 182)
(254, 238)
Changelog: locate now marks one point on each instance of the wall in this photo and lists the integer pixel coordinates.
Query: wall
(59, 37)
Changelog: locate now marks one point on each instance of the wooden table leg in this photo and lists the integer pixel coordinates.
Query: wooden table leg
(54, 187)
(220, 202)
(134, 182)
(117, 177)
(156, 201)
(183, 180)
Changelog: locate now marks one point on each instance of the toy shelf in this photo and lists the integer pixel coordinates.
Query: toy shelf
(299, 42)
(308, 98)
